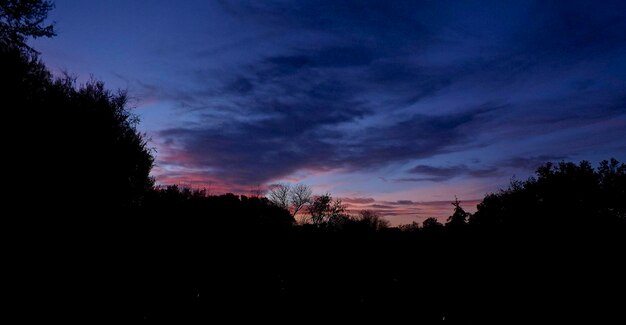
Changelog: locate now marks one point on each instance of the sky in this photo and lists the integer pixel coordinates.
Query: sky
(395, 106)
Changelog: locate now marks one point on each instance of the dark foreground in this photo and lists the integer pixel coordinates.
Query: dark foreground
(155, 272)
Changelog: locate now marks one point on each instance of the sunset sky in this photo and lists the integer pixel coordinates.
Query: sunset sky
(397, 106)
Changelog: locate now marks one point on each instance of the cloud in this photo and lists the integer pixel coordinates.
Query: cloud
(381, 206)
(407, 211)
(360, 85)
(325, 57)
(444, 173)
(579, 26)
(376, 18)
(532, 162)
(256, 152)
(438, 174)
(358, 200)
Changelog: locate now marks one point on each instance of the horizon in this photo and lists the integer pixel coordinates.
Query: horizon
(397, 107)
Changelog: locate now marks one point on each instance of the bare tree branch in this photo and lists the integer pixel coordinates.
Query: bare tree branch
(279, 195)
(292, 198)
(300, 196)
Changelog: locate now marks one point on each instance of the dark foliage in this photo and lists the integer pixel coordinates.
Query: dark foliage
(200, 211)
(79, 143)
(432, 224)
(21, 19)
(565, 195)
(459, 217)
(549, 248)
(326, 211)
(198, 265)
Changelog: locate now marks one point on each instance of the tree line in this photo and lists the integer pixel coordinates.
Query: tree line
(103, 242)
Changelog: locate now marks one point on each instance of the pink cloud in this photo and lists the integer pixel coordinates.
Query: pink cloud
(358, 200)
(178, 167)
(406, 211)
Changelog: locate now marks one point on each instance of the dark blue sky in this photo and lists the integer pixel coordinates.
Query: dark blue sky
(388, 103)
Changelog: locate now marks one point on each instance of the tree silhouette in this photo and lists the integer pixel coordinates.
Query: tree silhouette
(320, 208)
(325, 210)
(290, 198)
(411, 227)
(279, 195)
(21, 19)
(612, 180)
(459, 217)
(223, 212)
(371, 220)
(76, 137)
(300, 195)
(135, 251)
(100, 140)
(563, 194)
(432, 224)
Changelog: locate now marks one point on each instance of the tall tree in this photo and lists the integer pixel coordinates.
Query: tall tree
(459, 217)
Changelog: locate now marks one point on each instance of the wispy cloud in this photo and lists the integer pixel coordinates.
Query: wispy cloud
(406, 211)
(359, 86)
